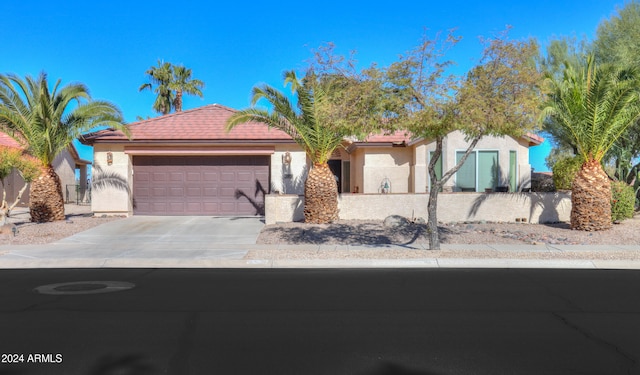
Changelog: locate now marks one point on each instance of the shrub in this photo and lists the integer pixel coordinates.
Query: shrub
(623, 199)
(565, 170)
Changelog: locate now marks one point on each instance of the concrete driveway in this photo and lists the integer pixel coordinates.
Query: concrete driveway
(148, 241)
(171, 232)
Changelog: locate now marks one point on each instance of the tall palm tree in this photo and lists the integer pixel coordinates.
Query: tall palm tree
(308, 129)
(161, 77)
(183, 83)
(45, 123)
(595, 105)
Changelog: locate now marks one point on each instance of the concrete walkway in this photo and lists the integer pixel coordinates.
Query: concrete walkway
(70, 254)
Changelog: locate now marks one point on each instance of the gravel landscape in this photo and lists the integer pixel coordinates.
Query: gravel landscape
(361, 232)
(78, 219)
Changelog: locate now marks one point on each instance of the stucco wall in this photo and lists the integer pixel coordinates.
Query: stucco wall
(456, 142)
(108, 198)
(456, 207)
(390, 165)
(65, 167)
(288, 179)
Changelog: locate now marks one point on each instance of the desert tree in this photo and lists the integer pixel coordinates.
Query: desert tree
(497, 97)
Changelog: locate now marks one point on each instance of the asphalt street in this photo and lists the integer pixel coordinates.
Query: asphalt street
(319, 321)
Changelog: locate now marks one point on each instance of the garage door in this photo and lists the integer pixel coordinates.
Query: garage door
(200, 185)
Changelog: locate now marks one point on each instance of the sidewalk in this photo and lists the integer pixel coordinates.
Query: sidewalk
(64, 255)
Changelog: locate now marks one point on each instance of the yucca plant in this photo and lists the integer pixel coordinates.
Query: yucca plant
(595, 105)
(45, 122)
(308, 127)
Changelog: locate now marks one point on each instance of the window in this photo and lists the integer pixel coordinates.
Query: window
(479, 171)
(466, 175)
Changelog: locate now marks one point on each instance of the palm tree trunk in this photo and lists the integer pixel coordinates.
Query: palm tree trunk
(46, 202)
(177, 102)
(591, 198)
(320, 195)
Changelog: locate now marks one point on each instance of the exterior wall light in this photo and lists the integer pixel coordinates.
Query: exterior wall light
(109, 158)
(286, 158)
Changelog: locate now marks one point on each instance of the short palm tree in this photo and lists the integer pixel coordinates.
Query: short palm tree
(307, 128)
(161, 77)
(595, 105)
(45, 123)
(183, 83)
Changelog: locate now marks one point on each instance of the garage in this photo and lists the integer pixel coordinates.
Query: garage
(200, 185)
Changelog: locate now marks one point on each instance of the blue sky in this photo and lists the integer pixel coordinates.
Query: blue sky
(232, 46)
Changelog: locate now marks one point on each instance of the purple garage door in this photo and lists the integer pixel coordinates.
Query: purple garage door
(200, 185)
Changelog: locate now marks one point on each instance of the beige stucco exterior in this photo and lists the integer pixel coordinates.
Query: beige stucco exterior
(109, 199)
(288, 178)
(531, 208)
(373, 167)
(456, 142)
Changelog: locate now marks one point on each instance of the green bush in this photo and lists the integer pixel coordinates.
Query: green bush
(565, 170)
(623, 199)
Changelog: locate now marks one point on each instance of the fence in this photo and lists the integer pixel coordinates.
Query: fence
(452, 207)
(77, 194)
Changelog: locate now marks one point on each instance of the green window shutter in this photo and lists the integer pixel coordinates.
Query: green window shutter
(513, 171)
(466, 175)
(487, 170)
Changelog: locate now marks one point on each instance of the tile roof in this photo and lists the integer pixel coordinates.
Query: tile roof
(534, 139)
(207, 123)
(7, 141)
(199, 124)
(395, 137)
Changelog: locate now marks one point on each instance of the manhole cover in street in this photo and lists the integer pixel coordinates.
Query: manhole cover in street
(84, 287)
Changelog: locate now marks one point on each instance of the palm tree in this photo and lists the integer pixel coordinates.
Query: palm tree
(161, 76)
(595, 105)
(183, 83)
(45, 123)
(308, 129)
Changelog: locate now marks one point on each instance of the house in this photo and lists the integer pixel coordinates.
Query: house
(187, 164)
(67, 165)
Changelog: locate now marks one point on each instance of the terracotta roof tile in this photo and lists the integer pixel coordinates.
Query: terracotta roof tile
(203, 123)
(207, 123)
(7, 141)
(395, 137)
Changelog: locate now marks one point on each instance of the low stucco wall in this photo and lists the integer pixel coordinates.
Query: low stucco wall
(456, 207)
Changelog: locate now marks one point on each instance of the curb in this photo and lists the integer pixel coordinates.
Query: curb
(13, 262)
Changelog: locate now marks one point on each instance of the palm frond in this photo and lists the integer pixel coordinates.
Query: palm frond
(47, 120)
(593, 106)
(304, 124)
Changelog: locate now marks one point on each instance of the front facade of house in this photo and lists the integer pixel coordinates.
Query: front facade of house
(187, 164)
